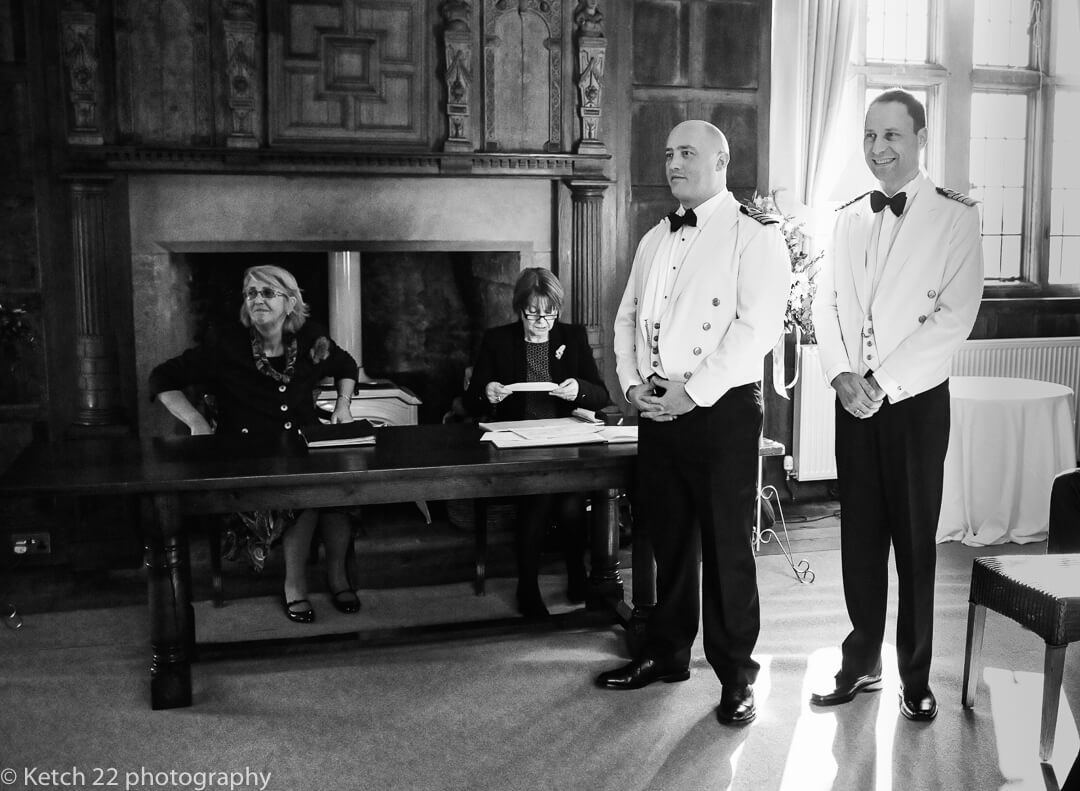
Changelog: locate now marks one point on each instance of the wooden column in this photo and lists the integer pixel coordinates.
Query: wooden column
(98, 379)
(586, 257)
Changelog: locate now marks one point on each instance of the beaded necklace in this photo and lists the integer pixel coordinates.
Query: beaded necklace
(264, 365)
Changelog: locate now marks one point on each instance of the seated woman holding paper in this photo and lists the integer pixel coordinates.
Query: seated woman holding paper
(557, 360)
(262, 374)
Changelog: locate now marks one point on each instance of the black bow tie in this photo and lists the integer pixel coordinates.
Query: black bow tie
(879, 201)
(679, 220)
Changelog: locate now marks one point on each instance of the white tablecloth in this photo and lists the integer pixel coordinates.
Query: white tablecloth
(1009, 438)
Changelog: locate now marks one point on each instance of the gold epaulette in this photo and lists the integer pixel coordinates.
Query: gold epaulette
(857, 197)
(957, 196)
(763, 217)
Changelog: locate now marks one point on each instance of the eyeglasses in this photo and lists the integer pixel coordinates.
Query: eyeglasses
(265, 292)
(538, 316)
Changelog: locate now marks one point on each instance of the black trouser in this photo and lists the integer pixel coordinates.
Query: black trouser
(696, 487)
(890, 468)
(536, 513)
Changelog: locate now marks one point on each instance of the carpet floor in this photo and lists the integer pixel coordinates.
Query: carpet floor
(517, 709)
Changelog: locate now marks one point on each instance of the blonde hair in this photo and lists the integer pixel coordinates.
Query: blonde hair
(282, 280)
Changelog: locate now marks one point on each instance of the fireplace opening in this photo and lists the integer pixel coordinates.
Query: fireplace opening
(422, 312)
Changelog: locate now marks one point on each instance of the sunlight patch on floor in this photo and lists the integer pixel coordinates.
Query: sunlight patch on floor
(824, 736)
(1016, 711)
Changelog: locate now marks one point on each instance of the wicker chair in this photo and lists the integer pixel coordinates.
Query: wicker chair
(1042, 594)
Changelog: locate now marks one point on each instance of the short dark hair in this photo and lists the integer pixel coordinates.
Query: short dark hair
(914, 106)
(538, 282)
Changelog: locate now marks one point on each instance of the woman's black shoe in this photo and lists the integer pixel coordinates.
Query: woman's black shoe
(531, 604)
(298, 616)
(345, 601)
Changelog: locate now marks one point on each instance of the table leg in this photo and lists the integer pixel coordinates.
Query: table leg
(605, 582)
(172, 619)
(1053, 671)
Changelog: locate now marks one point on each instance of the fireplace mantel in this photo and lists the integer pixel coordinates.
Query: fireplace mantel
(322, 162)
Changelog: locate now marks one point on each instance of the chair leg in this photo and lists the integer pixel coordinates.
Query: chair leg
(1053, 670)
(213, 536)
(973, 653)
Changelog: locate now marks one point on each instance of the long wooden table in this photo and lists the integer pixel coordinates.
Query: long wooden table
(206, 475)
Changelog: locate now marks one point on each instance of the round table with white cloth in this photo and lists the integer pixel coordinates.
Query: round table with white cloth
(1009, 438)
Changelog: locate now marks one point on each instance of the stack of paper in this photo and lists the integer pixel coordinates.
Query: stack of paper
(554, 431)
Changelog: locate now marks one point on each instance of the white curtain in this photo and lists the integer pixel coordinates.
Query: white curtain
(830, 29)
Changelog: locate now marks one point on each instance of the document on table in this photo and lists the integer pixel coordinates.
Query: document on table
(554, 431)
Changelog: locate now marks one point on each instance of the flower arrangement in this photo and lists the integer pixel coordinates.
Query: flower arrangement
(804, 269)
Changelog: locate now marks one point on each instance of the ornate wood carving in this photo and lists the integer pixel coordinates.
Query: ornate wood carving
(241, 66)
(458, 50)
(592, 49)
(586, 257)
(349, 71)
(79, 44)
(98, 379)
(523, 74)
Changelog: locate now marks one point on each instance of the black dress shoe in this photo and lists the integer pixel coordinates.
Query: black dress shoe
(306, 615)
(736, 705)
(640, 674)
(920, 708)
(847, 689)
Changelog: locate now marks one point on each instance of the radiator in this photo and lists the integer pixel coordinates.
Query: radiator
(815, 421)
(1046, 359)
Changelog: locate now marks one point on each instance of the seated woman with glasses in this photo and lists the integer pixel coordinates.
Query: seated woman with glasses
(539, 348)
(262, 373)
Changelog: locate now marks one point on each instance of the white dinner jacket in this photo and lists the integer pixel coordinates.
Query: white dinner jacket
(727, 306)
(926, 300)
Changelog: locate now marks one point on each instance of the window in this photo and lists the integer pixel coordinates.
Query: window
(1001, 84)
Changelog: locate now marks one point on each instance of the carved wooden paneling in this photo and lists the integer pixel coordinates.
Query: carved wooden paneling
(523, 75)
(661, 42)
(349, 71)
(163, 71)
(732, 58)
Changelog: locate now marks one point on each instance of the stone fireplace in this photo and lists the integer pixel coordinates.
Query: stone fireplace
(403, 225)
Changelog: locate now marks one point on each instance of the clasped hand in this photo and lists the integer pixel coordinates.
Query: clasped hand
(661, 400)
(860, 396)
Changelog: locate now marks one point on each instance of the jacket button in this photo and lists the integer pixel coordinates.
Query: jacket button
(706, 326)
(655, 338)
(715, 301)
(282, 388)
(635, 300)
(931, 293)
(284, 407)
(922, 319)
(655, 364)
(288, 426)
(656, 326)
(243, 431)
(697, 350)
(869, 357)
(687, 375)
(655, 349)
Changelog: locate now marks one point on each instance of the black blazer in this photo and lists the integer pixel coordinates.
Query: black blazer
(248, 401)
(502, 359)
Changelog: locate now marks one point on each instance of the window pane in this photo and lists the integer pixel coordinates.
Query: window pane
(1001, 32)
(1065, 191)
(998, 154)
(1066, 53)
(897, 32)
